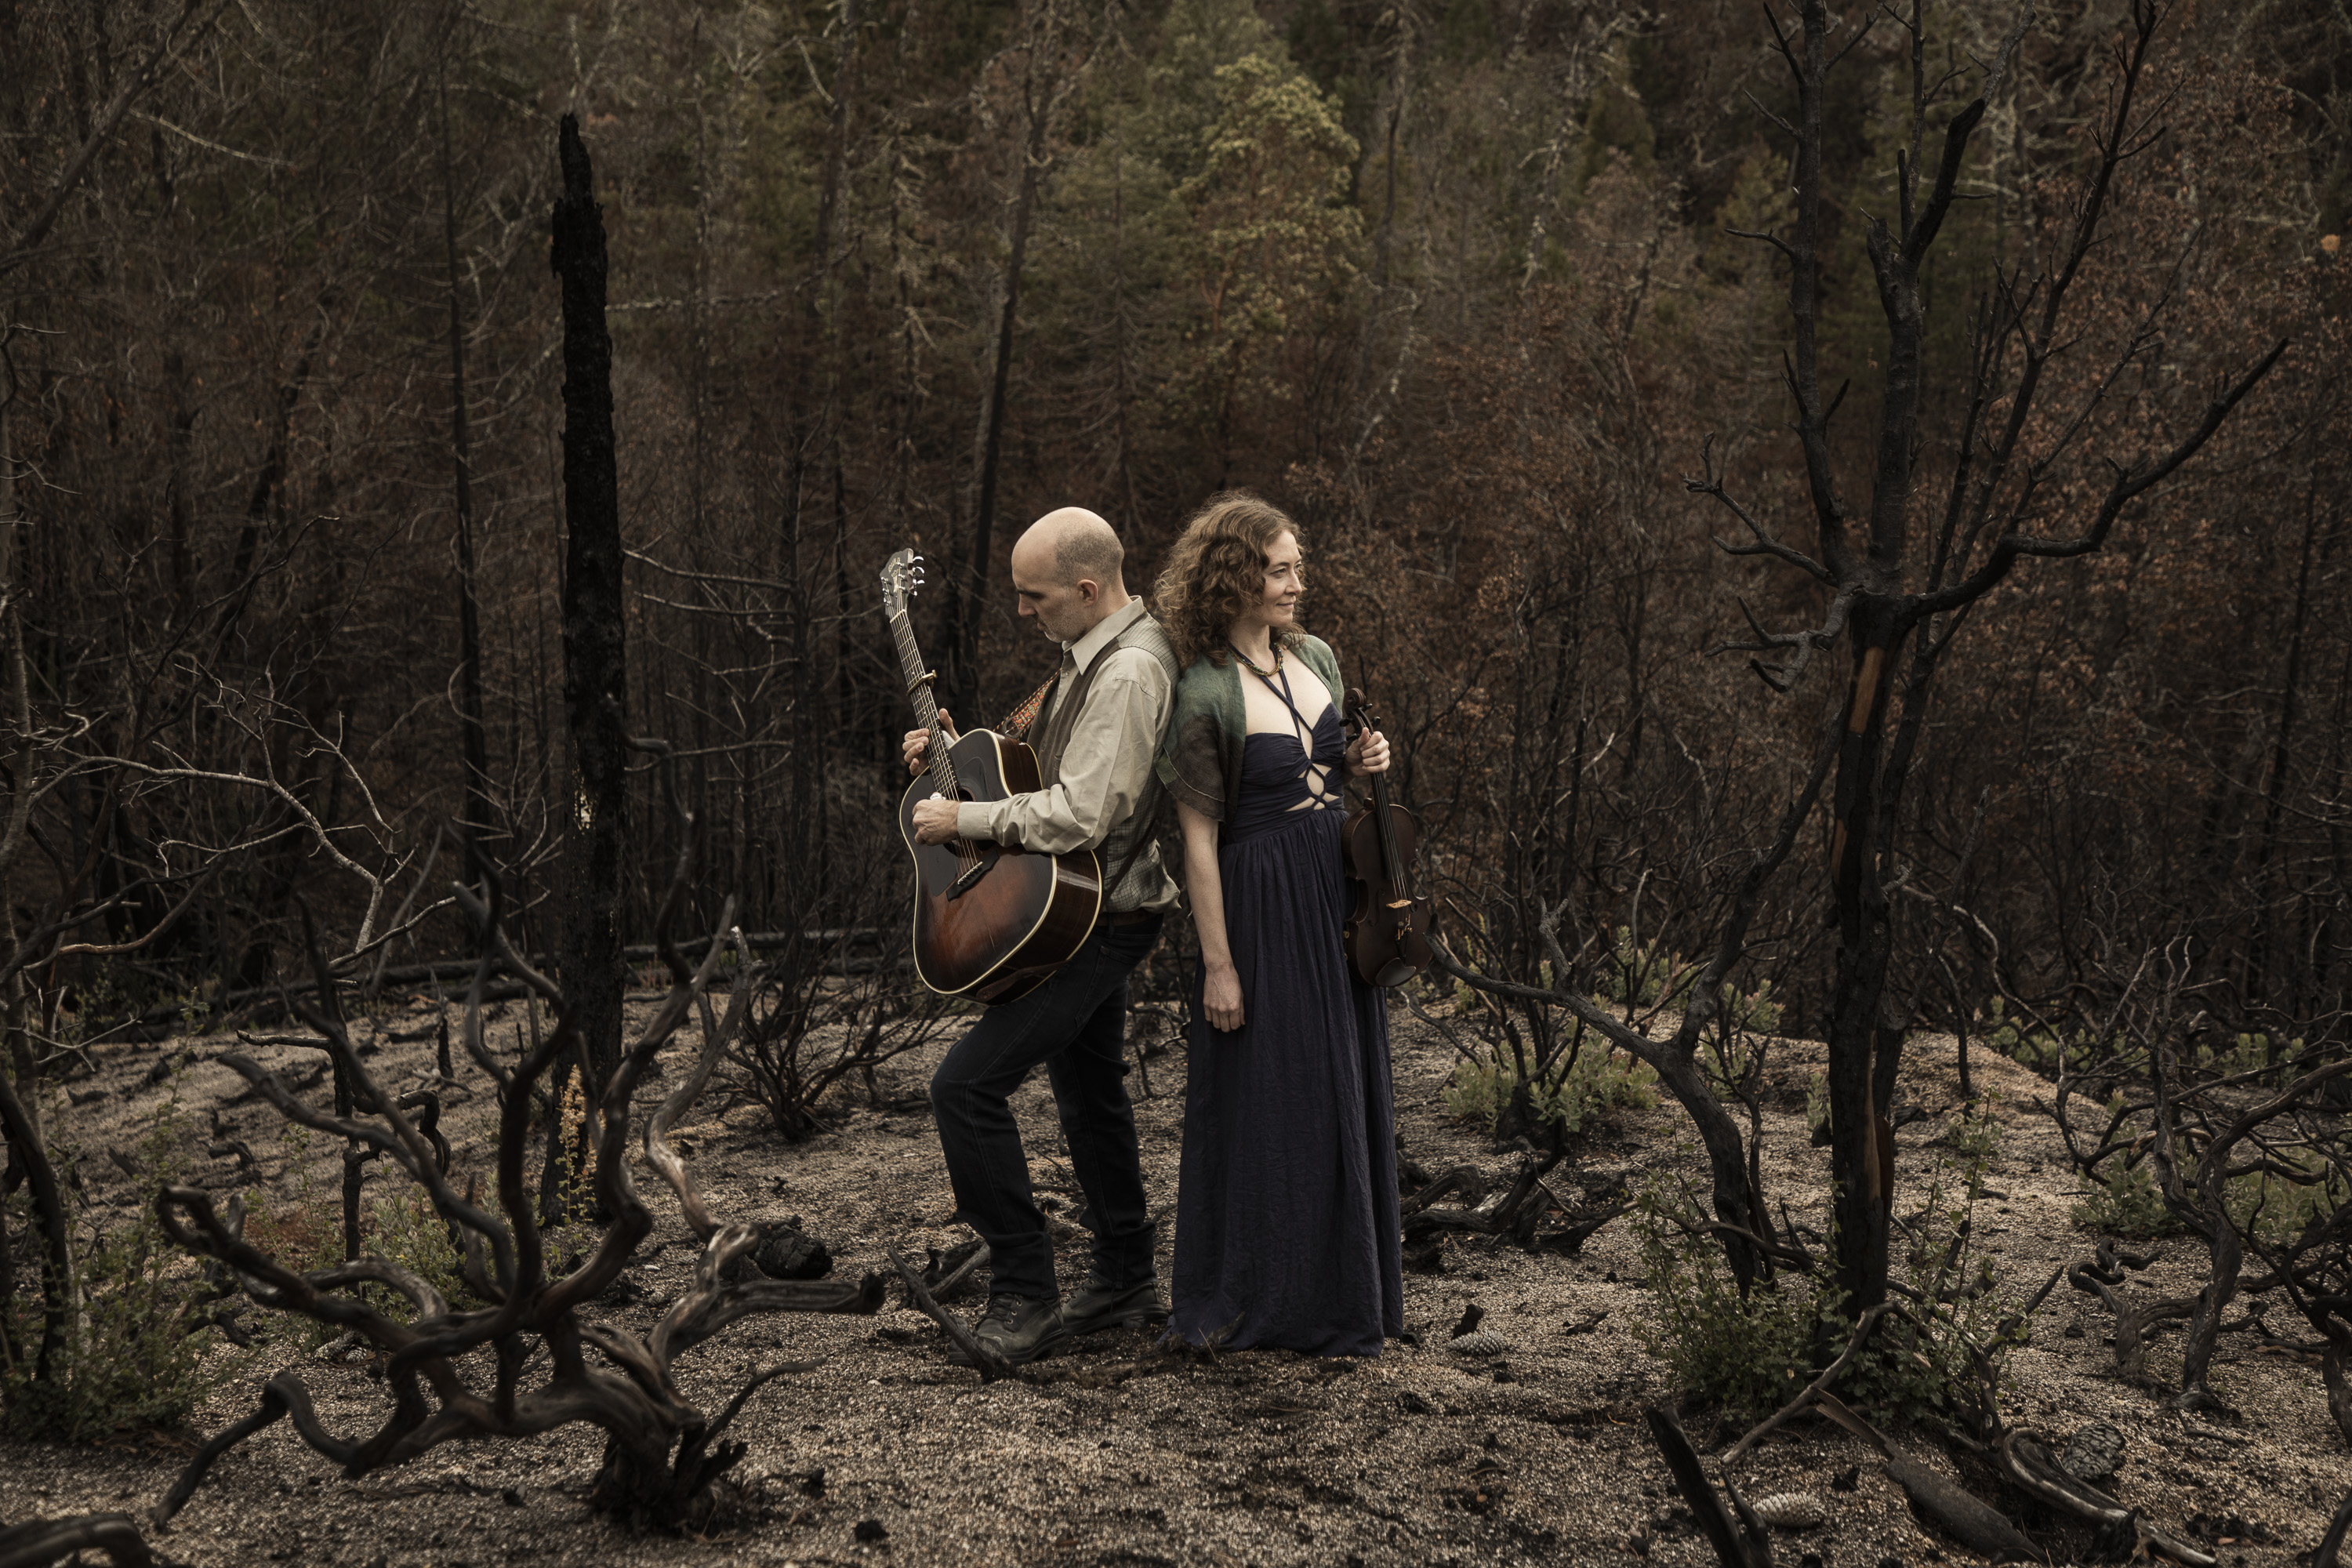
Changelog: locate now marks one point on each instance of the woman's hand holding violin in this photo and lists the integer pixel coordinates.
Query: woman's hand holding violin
(1368, 752)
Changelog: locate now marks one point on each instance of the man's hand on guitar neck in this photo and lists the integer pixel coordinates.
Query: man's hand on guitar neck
(916, 746)
(934, 819)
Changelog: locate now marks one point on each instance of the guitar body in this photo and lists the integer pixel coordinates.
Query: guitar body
(993, 922)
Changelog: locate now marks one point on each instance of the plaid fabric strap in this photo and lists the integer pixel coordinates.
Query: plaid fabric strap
(1016, 724)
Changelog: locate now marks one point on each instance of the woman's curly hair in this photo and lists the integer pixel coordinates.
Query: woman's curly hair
(1216, 571)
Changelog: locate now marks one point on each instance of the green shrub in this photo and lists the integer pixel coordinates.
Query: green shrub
(134, 1356)
(1817, 1104)
(2127, 1202)
(1973, 1135)
(2247, 1053)
(302, 1228)
(403, 1227)
(2035, 1047)
(130, 1360)
(1923, 1368)
(2274, 1208)
(1571, 1093)
(1648, 974)
(1750, 1356)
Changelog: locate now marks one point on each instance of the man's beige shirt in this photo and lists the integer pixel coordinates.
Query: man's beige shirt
(1105, 768)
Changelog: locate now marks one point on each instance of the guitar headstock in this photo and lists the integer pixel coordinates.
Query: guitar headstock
(902, 575)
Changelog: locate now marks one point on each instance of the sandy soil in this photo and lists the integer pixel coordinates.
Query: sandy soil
(1420, 1457)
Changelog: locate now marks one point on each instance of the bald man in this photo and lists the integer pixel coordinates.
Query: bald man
(1096, 736)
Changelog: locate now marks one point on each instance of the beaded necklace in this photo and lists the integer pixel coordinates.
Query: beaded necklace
(1251, 666)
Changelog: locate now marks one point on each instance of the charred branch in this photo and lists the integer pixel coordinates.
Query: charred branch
(43, 1542)
(662, 1453)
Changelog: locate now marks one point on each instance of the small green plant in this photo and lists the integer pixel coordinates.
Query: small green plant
(195, 1007)
(301, 1227)
(1649, 974)
(403, 1228)
(1973, 1135)
(1571, 1093)
(1817, 1104)
(575, 1178)
(1923, 1366)
(97, 1000)
(1751, 1354)
(2127, 1202)
(2037, 1046)
(2246, 1053)
(2275, 1208)
(134, 1355)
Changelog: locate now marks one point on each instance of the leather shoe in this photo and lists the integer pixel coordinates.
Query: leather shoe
(1101, 1306)
(1017, 1329)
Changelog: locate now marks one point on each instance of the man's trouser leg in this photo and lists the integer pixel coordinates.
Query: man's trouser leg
(971, 1093)
(1089, 1080)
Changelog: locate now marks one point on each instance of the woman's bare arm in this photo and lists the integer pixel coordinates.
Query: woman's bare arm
(1222, 988)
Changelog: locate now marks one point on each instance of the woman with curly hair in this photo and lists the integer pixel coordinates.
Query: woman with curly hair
(1287, 1208)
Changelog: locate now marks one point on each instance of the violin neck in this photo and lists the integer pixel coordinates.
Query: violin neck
(1391, 859)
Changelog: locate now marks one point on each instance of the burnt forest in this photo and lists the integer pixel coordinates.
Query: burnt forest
(1836, 505)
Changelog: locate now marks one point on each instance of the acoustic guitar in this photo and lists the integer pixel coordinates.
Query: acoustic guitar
(992, 922)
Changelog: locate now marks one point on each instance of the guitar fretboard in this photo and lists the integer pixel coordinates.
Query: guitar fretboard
(927, 707)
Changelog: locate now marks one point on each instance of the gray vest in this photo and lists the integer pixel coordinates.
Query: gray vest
(1126, 851)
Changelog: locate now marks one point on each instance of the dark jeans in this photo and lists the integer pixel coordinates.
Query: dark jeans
(1076, 1024)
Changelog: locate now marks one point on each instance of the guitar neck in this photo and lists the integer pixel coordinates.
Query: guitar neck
(926, 706)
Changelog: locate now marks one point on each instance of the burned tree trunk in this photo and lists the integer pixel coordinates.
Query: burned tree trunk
(972, 585)
(1040, 93)
(595, 670)
(473, 744)
(1867, 560)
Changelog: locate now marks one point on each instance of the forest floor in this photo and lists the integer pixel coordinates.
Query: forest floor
(1419, 1457)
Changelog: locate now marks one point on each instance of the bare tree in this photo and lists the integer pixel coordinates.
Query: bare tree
(1042, 85)
(1896, 614)
(595, 666)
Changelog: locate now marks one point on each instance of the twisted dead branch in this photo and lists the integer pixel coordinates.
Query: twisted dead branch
(2101, 1276)
(662, 1453)
(43, 1542)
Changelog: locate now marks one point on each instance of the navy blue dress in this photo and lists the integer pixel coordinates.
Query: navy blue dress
(1287, 1202)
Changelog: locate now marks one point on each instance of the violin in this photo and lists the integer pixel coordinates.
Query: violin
(1388, 930)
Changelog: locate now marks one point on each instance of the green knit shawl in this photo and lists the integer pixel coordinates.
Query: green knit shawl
(1201, 761)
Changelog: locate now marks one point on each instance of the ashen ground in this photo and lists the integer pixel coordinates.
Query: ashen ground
(1419, 1457)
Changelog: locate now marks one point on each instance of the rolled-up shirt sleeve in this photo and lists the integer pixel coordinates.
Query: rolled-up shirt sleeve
(1104, 768)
